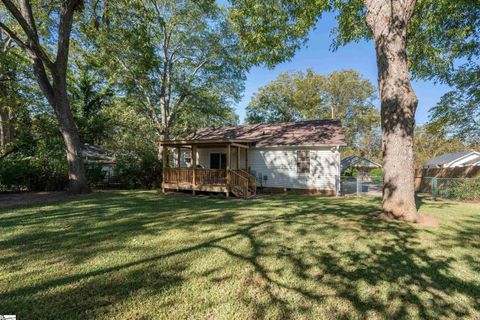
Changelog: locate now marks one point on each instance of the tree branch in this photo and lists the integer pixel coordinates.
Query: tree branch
(67, 11)
(8, 45)
(26, 11)
(409, 9)
(192, 76)
(180, 98)
(137, 82)
(30, 31)
(12, 35)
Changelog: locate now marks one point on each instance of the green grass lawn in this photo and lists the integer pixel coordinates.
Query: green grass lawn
(143, 255)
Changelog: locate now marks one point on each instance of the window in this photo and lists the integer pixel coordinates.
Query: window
(303, 161)
(187, 155)
(218, 160)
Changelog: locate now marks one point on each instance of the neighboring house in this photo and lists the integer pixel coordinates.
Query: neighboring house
(300, 155)
(453, 160)
(359, 163)
(95, 156)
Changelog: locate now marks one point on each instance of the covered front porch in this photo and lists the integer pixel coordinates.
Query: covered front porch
(212, 166)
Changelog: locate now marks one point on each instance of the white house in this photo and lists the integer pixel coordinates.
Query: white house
(303, 156)
(457, 159)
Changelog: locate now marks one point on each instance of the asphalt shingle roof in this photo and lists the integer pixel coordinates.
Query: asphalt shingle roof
(311, 133)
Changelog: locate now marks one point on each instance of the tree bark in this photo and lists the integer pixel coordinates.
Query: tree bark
(4, 116)
(5, 124)
(76, 171)
(388, 21)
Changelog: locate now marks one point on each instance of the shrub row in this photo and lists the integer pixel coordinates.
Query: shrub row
(461, 189)
(32, 174)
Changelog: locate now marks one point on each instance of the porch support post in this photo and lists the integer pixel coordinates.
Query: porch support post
(246, 160)
(194, 166)
(238, 158)
(164, 166)
(178, 157)
(177, 165)
(229, 153)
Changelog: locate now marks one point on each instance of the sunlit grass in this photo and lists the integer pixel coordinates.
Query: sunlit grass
(143, 255)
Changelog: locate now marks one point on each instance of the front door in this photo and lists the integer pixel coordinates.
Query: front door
(218, 160)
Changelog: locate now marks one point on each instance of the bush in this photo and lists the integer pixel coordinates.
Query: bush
(94, 173)
(462, 189)
(33, 174)
(134, 172)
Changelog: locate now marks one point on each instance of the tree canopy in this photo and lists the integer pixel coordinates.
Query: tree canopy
(445, 35)
(180, 61)
(430, 143)
(138, 71)
(457, 114)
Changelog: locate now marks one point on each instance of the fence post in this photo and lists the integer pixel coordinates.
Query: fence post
(359, 186)
(434, 188)
(337, 186)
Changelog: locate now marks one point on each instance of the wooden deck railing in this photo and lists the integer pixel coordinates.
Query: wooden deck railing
(215, 177)
(202, 176)
(177, 175)
(239, 181)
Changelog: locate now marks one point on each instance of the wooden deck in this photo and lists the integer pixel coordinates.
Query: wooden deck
(238, 182)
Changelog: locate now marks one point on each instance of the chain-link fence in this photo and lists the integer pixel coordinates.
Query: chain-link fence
(446, 188)
(361, 185)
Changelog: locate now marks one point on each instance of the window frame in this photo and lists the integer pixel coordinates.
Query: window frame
(303, 161)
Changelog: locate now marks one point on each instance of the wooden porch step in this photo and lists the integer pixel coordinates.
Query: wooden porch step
(238, 192)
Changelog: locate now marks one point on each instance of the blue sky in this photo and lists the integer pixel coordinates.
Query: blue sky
(317, 55)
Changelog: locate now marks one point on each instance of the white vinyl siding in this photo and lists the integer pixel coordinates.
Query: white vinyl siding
(280, 167)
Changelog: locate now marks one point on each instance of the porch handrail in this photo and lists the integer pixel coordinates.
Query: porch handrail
(239, 183)
(252, 180)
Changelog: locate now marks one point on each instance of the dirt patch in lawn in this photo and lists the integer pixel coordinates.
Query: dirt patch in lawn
(423, 220)
(10, 200)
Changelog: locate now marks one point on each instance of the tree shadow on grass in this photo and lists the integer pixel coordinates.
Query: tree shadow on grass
(423, 284)
(298, 254)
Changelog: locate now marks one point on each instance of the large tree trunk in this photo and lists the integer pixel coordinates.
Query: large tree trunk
(57, 96)
(164, 135)
(76, 172)
(388, 21)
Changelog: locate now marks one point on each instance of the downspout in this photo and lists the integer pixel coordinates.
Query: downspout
(338, 181)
